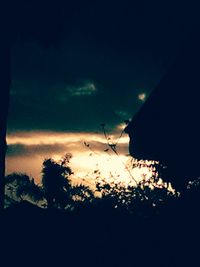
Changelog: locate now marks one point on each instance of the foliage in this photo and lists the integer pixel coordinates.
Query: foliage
(145, 198)
(55, 181)
(141, 198)
(58, 188)
(19, 186)
(81, 193)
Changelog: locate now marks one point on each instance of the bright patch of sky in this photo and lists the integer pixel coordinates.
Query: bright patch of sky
(142, 97)
(27, 150)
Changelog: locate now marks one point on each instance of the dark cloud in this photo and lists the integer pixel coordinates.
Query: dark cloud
(48, 150)
(110, 53)
(34, 150)
(121, 50)
(44, 98)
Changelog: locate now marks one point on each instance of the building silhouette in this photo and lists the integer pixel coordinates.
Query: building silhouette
(166, 128)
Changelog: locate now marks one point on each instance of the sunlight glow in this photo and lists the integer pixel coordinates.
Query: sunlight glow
(142, 97)
(121, 126)
(37, 138)
(87, 162)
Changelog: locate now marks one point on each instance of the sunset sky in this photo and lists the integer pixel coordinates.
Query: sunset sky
(108, 62)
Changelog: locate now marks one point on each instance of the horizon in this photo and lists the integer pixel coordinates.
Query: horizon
(99, 72)
(90, 153)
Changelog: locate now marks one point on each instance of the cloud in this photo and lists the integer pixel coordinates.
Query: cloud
(65, 89)
(59, 107)
(49, 150)
(35, 150)
(124, 115)
(51, 137)
(86, 89)
(27, 150)
(49, 143)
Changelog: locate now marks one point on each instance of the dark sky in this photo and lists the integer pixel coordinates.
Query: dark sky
(110, 52)
(77, 64)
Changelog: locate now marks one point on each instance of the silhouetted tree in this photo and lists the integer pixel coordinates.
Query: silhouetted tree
(56, 188)
(20, 186)
(55, 181)
(81, 195)
(142, 200)
(5, 80)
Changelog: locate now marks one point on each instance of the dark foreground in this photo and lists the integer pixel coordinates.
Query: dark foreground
(99, 236)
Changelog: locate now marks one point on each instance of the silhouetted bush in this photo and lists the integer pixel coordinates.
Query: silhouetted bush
(20, 186)
(141, 200)
(55, 181)
(57, 191)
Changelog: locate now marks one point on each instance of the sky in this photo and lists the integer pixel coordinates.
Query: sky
(110, 57)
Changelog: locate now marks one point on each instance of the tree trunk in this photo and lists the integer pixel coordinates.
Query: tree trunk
(5, 80)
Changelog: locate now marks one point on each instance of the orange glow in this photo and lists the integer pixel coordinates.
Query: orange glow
(37, 138)
(84, 161)
(142, 97)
